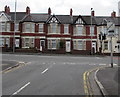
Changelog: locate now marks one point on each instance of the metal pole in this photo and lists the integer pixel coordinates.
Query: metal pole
(14, 27)
(111, 54)
(91, 32)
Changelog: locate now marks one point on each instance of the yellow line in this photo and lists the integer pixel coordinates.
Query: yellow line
(14, 68)
(87, 87)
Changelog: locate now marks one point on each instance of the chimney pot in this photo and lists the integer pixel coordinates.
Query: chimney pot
(27, 10)
(93, 13)
(71, 11)
(49, 11)
(113, 14)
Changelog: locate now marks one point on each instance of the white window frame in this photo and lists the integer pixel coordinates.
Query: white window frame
(92, 30)
(80, 46)
(17, 27)
(54, 42)
(2, 42)
(56, 29)
(77, 32)
(41, 26)
(66, 29)
(29, 43)
(29, 27)
(77, 46)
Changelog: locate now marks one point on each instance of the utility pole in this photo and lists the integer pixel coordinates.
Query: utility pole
(14, 27)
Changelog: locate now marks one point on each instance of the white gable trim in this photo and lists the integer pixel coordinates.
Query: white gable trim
(53, 19)
(1, 15)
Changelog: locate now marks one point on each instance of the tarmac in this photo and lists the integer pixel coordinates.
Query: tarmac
(108, 81)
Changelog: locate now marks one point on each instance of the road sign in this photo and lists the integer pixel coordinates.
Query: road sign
(111, 28)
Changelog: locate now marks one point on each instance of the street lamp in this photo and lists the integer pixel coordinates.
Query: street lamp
(91, 31)
(14, 27)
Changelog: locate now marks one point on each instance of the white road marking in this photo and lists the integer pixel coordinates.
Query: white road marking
(98, 58)
(44, 71)
(102, 64)
(21, 88)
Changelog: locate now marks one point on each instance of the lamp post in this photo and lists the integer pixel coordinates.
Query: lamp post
(14, 27)
(111, 32)
(91, 32)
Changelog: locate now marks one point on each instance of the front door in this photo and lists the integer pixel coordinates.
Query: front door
(68, 46)
(17, 42)
(42, 44)
(94, 46)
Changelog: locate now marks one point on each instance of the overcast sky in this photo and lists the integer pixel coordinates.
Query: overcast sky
(80, 7)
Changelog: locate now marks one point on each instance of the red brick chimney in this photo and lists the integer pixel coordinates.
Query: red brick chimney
(49, 11)
(93, 13)
(27, 10)
(113, 14)
(7, 9)
(71, 11)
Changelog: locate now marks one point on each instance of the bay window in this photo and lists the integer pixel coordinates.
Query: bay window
(54, 28)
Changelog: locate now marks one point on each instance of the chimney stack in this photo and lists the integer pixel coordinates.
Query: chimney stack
(27, 10)
(93, 13)
(71, 11)
(113, 14)
(49, 11)
(7, 9)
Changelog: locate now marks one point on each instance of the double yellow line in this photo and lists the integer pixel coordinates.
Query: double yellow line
(87, 86)
(13, 68)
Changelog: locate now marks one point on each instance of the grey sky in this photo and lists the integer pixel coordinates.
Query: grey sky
(101, 7)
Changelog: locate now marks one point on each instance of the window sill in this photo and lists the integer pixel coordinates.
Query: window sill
(53, 33)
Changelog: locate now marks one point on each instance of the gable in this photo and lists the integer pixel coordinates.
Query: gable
(3, 18)
(53, 19)
(79, 21)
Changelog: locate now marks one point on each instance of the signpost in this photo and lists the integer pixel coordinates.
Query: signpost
(111, 33)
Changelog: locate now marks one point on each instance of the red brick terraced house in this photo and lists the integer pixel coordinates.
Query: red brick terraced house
(49, 33)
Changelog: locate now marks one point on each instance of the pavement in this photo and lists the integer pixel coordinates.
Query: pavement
(108, 81)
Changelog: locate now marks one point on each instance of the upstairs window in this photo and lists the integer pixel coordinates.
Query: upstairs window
(54, 28)
(16, 26)
(66, 29)
(40, 27)
(5, 27)
(78, 30)
(92, 30)
(29, 27)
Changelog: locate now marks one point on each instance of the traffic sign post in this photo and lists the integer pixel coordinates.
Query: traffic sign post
(111, 33)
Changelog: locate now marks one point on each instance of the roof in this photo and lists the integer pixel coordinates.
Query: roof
(19, 15)
(35, 18)
(103, 20)
(64, 19)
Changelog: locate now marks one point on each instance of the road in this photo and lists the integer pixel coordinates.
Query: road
(49, 75)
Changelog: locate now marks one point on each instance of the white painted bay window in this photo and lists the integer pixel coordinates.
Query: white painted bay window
(53, 43)
(54, 28)
(78, 45)
(29, 27)
(4, 41)
(5, 27)
(28, 42)
(78, 30)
